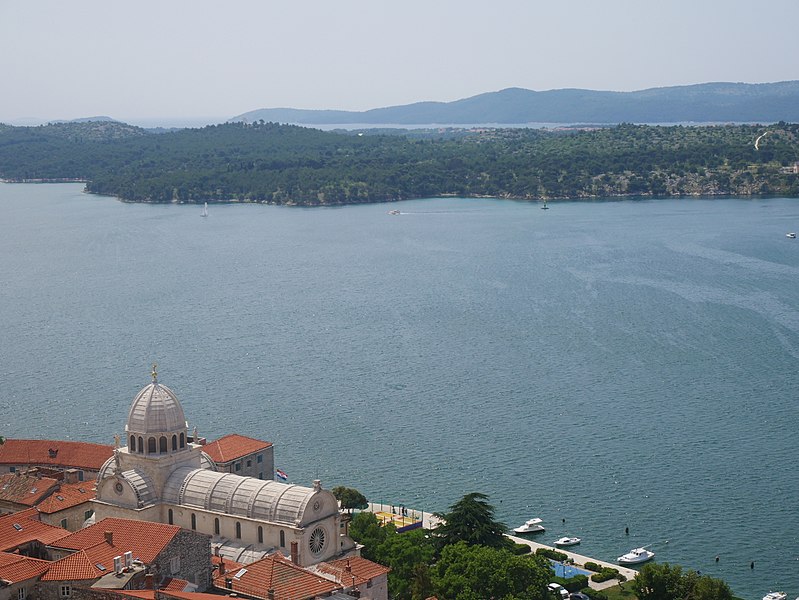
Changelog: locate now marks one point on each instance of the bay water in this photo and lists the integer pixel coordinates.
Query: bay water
(611, 364)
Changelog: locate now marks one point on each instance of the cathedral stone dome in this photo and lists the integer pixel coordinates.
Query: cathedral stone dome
(156, 409)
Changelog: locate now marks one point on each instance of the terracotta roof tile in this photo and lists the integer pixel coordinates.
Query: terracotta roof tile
(278, 574)
(25, 489)
(361, 568)
(15, 568)
(150, 595)
(18, 529)
(67, 496)
(79, 455)
(233, 446)
(173, 584)
(144, 539)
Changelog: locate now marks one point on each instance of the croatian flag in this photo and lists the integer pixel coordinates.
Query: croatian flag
(281, 474)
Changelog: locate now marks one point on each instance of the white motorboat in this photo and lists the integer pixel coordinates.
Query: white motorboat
(775, 596)
(567, 541)
(791, 235)
(635, 556)
(394, 211)
(530, 526)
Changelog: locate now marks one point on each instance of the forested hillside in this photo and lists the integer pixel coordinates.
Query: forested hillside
(265, 162)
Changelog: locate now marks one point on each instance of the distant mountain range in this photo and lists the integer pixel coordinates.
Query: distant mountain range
(706, 102)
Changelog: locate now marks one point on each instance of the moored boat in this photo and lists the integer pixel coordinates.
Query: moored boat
(530, 526)
(635, 556)
(775, 596)
(567, 541)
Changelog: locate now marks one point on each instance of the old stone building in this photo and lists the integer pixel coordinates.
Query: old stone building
(161, 475)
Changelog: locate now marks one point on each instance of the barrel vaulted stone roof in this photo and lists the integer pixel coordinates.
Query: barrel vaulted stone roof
(232, 494)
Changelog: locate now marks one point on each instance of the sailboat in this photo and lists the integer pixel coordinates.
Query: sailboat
(204, 213)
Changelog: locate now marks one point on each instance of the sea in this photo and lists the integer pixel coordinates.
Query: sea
(603, 365)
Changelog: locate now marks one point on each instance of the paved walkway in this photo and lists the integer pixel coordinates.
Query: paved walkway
(580, 560)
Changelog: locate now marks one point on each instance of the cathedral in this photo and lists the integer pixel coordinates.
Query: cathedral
(163, 475)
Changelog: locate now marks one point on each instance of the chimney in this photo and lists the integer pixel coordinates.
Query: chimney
(348, 568)
(109, 537)
(221, 566)
(148, 581)
(71, 476)
(295, 553)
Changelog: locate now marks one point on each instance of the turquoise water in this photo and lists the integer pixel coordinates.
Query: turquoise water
(615, 364)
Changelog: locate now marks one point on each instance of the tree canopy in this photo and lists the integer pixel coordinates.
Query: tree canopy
(669, 582)
(350, 498)
(471, 520)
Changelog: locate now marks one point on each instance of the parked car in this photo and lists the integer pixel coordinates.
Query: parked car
(578, 596)
(558, 591)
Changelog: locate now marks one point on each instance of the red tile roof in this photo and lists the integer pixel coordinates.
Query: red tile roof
(144, 539)
(18, 529)
(150, 595)
(360, 568)
(15, 568)
(233, 446)
(173, 584)
(80, 455)
(276, 573)
(27, 490)
(67, 496)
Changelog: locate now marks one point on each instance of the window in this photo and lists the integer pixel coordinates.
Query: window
(63, 523)
(216, 526)
(249, 463)
(260, 534)
(21, 594)
(182, 440)
(66, 591)
(141, 445)
(12, 469)
(174, 565)
(170, 517)
(132, 443)
(282, 539)
(260, 475)
(151, 445)
(238, 466)
(174, 442)
(88, 515)
(162, 444)
(259, 458)
(238, 530)
(193, 521)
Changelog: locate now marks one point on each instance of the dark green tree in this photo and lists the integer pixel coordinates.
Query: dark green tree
(350, 498)
(466, 572)
(471, 520)
(670, 582)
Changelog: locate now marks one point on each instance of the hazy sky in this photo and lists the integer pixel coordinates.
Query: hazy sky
(199, 59)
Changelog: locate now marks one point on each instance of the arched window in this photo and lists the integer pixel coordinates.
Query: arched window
(182, 440)
(193, 521)
(282, 539)
(174, 443)
(141, 445)
(260, 534)
(162, 444)
(238, 530)
(151, 445)
(170, 517)
(216, 526)
(132, 443)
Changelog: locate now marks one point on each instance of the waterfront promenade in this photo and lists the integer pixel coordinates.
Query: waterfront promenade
(580, 560)
(403, 516)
